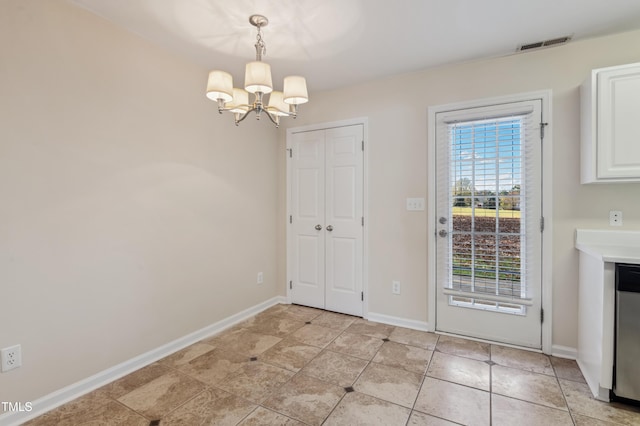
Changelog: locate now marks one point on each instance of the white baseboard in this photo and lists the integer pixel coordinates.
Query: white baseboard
(564, 352)
(73, 391)
(397, 321)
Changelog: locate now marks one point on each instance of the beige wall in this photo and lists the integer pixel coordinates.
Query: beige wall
(131, 213)
(397, 111)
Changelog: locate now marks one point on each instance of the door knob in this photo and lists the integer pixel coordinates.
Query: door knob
(329, 228)
(318, 228)
(443, 233)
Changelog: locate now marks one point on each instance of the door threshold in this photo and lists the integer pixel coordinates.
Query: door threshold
(491, 342)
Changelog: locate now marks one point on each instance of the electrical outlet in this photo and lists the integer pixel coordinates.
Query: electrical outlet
(260, 279)
(615, 218)
(395, 287)
(11, 358)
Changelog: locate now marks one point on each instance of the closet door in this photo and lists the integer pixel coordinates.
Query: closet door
(307, 220)
(325, 235)
(344, 229)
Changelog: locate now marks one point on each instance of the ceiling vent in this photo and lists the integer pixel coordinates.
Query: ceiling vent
(546, 43)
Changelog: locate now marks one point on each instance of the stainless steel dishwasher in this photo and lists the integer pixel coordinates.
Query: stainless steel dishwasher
(626, 380)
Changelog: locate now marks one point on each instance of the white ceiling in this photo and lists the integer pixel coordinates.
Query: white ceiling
(336, 43)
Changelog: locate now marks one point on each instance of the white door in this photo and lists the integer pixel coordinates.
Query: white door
(325, 244)
(488, 217)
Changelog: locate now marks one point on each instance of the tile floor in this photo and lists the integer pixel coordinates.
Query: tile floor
(292, 365)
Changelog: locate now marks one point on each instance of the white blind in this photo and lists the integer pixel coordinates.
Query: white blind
(490, 196)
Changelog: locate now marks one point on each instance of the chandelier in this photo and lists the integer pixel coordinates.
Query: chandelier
(257, 80)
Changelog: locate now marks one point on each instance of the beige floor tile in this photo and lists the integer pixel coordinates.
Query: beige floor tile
(255, 381)
(370, 328)
(579, 420)
(527, 386)
(358, 409)
(357, 345)
(212, 406)
(111, 413)
(162, 395)
(334, 320)
(410, 358)
(306, 399)
(134, 380)
(421, 339)
(463, 371)
(227, 334)
(336, 368)
(420, 419)
(214, 366)
(290, 354)
(276, 326)
(389, 384)
(186, 355)
(275, 309)
(464, 347)
(508, 411)
(244, 342)
(315, 335)
(301, 313)
(524, 360)
(457, 403)
(567, 369)
(581, 402)
(263, 417)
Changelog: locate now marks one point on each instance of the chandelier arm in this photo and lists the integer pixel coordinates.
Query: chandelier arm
(245, 115)
(270, 108)
(274, 121)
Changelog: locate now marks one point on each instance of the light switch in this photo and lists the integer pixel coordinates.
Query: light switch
(415, 204)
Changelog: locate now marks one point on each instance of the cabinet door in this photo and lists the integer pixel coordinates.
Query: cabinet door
(618, 118)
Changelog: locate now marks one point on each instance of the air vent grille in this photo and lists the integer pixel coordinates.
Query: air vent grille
(545, 43)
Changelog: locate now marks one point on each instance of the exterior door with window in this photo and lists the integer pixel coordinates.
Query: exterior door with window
(325, 231)
(488, 214)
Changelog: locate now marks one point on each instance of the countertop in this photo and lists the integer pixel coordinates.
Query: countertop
(610, 246)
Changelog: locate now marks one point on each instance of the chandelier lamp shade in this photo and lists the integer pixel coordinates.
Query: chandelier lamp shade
(257, 81)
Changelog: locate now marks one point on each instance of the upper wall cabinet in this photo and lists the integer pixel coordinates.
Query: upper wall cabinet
(610, 120)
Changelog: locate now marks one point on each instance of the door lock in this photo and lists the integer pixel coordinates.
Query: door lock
(442, 220)
(443, 233)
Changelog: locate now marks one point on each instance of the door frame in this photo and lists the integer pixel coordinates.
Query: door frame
(547, 197)
(364, 121)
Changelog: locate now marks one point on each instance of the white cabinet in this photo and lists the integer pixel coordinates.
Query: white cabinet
(610, 120)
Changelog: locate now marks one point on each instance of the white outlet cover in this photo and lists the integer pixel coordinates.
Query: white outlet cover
(11, 358)
(615, 218)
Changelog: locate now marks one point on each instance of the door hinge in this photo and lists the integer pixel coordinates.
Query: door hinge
(542, 224)
(542, 126)
(290, 152)
(362, 296)
(362, 220)
(291, 285)
(541, 315)
(363, 145)
(290, 218)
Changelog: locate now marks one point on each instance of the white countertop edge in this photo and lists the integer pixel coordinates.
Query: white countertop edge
(610, 246)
